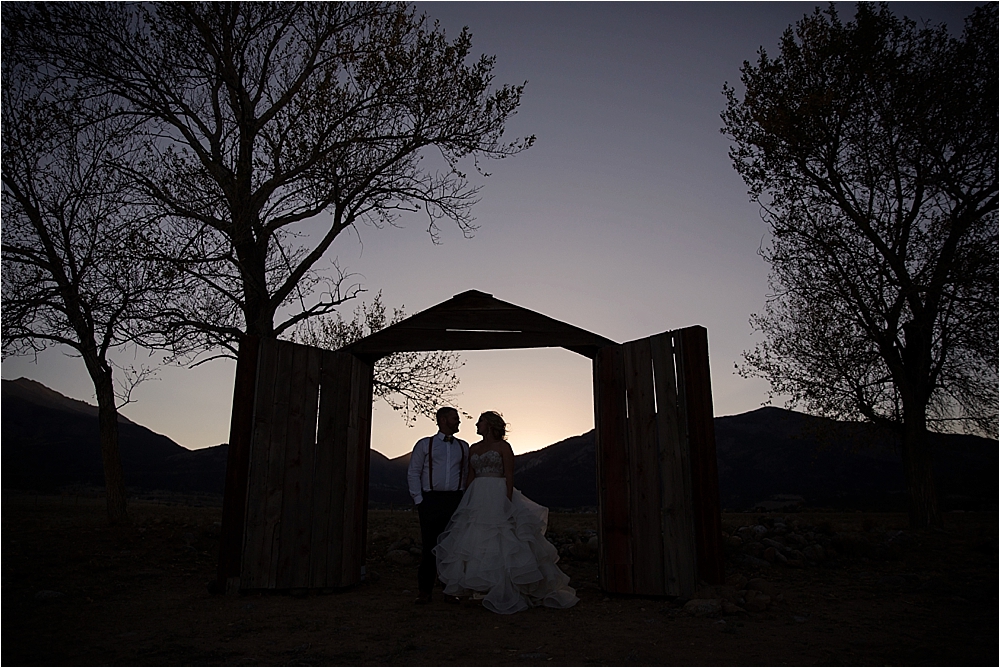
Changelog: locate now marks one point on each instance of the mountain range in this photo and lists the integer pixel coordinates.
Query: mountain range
(768, 458)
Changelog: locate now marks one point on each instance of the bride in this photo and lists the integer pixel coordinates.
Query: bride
(494, 547)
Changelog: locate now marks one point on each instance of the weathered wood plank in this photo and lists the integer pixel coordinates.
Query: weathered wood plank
(323, 488)
(355, 487)
(338, 384)
(252, 568)
(611, 439)
(292, 502)
(704, 464)
(644, 471)
(303, 540)
(678, 529)
(238, 464)
(364, 413)
(274, 492)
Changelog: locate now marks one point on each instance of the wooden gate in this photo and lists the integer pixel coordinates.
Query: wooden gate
(658, 497)
(307, 492)
(295, 510)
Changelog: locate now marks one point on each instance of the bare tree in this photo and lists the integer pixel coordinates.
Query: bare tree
(412, 383)
(279, 126)
(71, 238)
(872, 149)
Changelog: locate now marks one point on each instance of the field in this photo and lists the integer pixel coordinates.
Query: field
(78, 592)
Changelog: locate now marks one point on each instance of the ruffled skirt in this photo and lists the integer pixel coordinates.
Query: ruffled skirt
(497, 547)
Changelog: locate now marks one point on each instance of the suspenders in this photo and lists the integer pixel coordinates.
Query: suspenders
(430, 463)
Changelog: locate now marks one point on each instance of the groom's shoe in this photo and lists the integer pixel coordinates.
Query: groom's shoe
(423, 599)
(452, 599)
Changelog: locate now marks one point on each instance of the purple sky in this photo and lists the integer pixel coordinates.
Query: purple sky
(626, 218)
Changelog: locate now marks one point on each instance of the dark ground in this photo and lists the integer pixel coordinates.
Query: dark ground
(78, 592)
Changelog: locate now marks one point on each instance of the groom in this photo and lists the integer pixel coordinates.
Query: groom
(436, 478)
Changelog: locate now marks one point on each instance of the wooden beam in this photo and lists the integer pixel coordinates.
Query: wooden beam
(511, 319)
(394, 340)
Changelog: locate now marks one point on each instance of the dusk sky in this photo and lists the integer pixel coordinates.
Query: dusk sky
(626, 218)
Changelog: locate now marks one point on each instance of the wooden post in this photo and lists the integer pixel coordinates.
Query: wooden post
(643, 471)
(697, 382)
(611, 439)
(237, 467)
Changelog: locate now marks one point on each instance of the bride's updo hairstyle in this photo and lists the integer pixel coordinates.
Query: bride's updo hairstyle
(495, 421)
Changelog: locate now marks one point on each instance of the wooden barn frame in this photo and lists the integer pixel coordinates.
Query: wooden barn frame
(296, 498)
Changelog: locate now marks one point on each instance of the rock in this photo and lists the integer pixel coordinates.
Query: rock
(736, 581)
(814, 553)
(758, 531)
(401, 544)
(761, 585)
(580, 550)
(758, 602)
(401, 557)
(796, 555)
(780, 528)
(750, 562)
(416, 552)
(755, 548)
(735, 541)
(767, 542)
(732, 609)
(703, 607)
(779, 558)
(795, 539)
(717, 592)
(48, 595)
(187, 537)
(769, 554)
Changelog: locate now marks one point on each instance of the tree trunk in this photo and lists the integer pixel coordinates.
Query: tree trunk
(919, 471)
(107, 412)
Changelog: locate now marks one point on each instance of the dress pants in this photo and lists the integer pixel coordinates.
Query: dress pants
(435, 510)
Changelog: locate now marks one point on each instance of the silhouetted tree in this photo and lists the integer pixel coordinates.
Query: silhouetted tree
(72, 239)
(279, 126)
(872, 149)
(413, 383)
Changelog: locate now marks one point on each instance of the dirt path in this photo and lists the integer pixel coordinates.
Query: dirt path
(76, 591)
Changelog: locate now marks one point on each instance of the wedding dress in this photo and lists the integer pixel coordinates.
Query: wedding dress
(497, 547)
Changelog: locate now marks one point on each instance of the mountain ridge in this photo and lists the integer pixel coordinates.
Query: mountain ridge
(51, 441)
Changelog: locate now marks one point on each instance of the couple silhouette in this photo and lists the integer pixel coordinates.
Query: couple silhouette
(482, 538)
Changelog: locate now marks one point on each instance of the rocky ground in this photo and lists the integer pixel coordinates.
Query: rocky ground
(805, 589)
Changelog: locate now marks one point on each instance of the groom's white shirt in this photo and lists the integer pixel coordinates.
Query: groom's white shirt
(448, 461)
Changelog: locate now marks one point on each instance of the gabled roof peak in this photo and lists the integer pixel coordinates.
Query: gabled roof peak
(475, 320)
